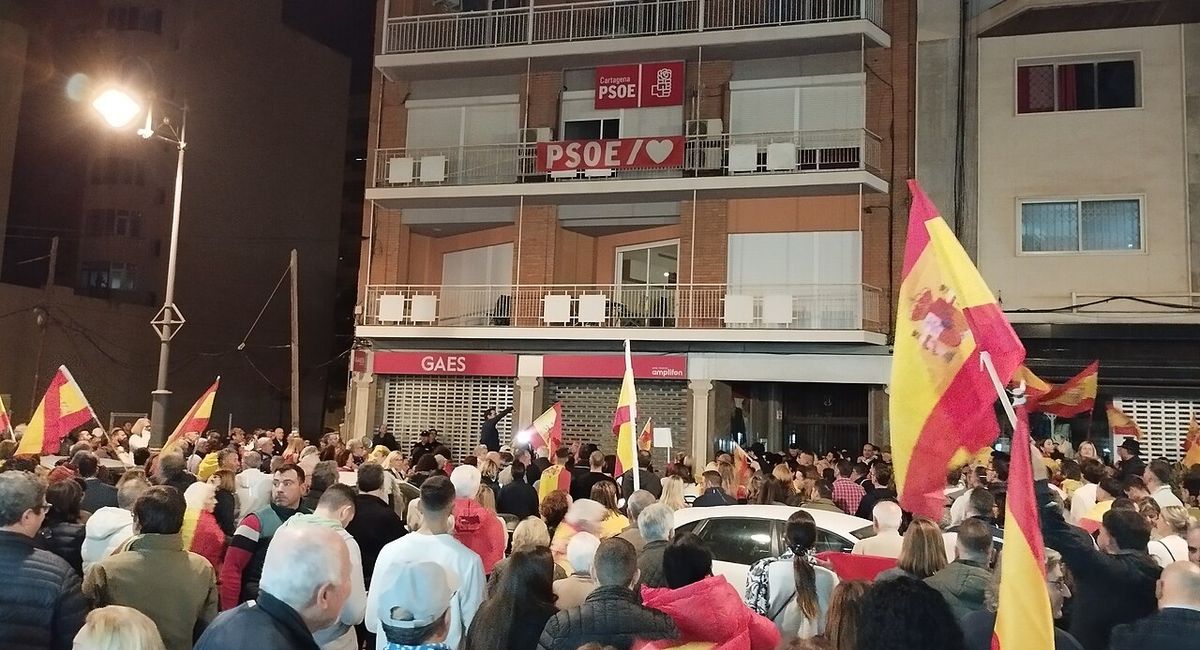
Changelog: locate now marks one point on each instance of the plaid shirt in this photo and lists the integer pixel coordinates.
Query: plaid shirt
(847, 494)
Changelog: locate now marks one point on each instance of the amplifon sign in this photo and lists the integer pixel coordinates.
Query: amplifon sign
(612, 366)
(665, 152)
(445, 363)
(639, 85)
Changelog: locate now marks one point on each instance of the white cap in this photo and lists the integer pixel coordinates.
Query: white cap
(416, 595)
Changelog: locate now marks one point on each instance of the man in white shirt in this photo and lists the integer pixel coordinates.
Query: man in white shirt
(1084, 498)
(886, 517)
(139, 434)
(1158, 480)
(434, 542)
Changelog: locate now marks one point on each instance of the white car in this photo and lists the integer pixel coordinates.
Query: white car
(741, 535)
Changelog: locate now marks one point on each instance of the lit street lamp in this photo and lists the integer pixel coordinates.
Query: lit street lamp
(119, 109)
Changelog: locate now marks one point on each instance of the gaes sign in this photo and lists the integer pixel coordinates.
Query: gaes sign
(664, 152)
(639, 85)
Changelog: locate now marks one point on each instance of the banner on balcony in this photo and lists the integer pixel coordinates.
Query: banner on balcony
(664, 152)
(639, 85)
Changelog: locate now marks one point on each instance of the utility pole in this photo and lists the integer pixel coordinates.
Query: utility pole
(53, 262)
(295, 345)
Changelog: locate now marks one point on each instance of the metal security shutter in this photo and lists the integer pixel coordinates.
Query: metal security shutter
(588, 407)
(454, 405)
(1164, 423)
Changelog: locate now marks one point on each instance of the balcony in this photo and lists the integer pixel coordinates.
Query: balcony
(571, 34)
(827, 312)
(731, 165)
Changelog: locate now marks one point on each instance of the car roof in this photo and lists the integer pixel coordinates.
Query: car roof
(835, 522)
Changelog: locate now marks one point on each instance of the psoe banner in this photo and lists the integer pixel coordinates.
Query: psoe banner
(664, 152)
(639, 85)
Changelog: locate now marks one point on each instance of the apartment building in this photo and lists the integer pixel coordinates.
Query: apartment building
(1089, 198)
(718, 181)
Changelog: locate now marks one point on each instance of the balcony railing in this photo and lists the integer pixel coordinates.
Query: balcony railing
(608, 19)
(704, 155)
(711, 306)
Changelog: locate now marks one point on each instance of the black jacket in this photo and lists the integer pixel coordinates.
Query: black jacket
(41, 605)
(64, 540)
(1110, 588)
(226, 512)
(1169, 628)
(1135, 466)
(488, 434)
(872, 498)
(181, 481)
(98, 494)
(714, 497)
(385, 440)
(582, 488)
(518, 499)
(265, 624)
(650, 564)
(610, 616)
(647, 479)
(375, 524)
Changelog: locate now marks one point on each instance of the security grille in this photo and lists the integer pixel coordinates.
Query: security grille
(588, 408)
(1164, 423)
(454, 405)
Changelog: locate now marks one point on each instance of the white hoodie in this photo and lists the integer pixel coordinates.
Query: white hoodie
(105, 530)
(253, 491)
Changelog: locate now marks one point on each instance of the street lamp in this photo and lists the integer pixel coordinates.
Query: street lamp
(119, 108)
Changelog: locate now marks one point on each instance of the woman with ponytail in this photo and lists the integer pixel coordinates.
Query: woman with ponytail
(793, 590)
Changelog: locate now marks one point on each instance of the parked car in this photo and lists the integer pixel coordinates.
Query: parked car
(741, 535)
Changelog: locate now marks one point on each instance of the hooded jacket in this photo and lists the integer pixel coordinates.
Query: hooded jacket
(479, 530)
(105, 530)
(711, 610)
(962, 583)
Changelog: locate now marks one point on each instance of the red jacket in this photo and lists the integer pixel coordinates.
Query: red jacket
(480, 530)
(712, 611)
(209, 541)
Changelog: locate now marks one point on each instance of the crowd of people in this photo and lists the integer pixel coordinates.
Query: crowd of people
(269, 541)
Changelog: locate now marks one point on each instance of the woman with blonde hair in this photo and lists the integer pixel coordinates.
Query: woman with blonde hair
(605, 493)
(729, 482)
(1087, 449)
(225, 481)
(117, 627)
(530, 534)
(922, 553)
(201, 534)
(1168, 541)
(295, 445)
(672, 493)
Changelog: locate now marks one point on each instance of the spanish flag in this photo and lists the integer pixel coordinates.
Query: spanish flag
(1035, 386)
(547, 429)
(1120, 424)
(5, 421)
(646, 439)
(556, 477)
(62, 409)
(741, 465)
(1191, 446)
(941, 396)
(1072, 397)
(623, 419)
(1024, 619)
(196, 420)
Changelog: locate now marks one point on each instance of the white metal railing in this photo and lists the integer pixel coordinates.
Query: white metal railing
(607, 19)
(704, 155)
(803, 307)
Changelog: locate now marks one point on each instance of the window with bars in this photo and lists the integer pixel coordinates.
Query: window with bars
(1083, 225)
(1078, 86)
(453, 405)
(1163, 423)
(113, 223)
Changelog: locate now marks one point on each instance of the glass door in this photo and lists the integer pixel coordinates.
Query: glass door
(646, 278)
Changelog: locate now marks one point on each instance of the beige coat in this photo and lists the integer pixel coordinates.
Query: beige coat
(572, 590)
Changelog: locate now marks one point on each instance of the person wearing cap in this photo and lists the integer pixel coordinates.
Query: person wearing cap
(414, 608)
(423, 446)
(433, 542)
(1131, 463)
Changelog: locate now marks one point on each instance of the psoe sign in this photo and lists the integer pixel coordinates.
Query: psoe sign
(639, 85)
(445, 363)
(665, 152)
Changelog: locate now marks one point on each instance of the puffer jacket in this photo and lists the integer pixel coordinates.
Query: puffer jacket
(711, 610)
(41, 605)
(65, 540)
(611, 616)
(106, 529)
(962, 583)
(481, 531)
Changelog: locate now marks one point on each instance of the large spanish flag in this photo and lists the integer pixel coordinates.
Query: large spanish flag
(1072, 397)
(62, 409)
(623, 419)
(1191, 446)
(196, 420)
(1120, 424)
(1024, 619)
(555, 477)
(941, 397)
(547, 429)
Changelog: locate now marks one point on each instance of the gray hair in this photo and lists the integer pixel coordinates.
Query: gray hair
(171, 463)
(638, 501)
(301, 559)
(129, 492)
(466, 480)
(656, 522)
(19, 491)
(581, 551)
(252, 459)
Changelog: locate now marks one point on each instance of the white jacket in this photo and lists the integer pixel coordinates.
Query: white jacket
(105, 530)
(253, 491)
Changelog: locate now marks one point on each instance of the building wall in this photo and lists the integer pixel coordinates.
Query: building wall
(12, 78)
(1191, 58)
(1136, 151)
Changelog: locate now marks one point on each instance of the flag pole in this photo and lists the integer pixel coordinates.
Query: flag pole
(637, 483)
(985, 362)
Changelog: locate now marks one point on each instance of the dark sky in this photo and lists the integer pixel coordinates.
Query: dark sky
(343, 25)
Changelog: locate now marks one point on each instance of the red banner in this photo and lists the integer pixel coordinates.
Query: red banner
(445, 363)
(639, 85)
(664, 152)
(604, 366)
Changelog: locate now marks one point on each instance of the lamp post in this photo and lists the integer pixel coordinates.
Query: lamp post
(119, 109)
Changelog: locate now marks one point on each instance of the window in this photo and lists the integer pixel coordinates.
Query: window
(655, 264)
(1081, 225)
(109, 222)
(827, 541)
(126, 18)
(113, 170)
(602, 129)
(1091, 85)
(741, 541)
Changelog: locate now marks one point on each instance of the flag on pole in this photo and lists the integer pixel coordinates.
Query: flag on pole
(5, 421)
(622, 424)
(555, 477)
(1024, 619)
(1120, 424)
(941, 398)
(62, 409)
(646, 438)
(547, 429)
(1191, 446)
(1035, 386)
(1072, 397)
(196, 420)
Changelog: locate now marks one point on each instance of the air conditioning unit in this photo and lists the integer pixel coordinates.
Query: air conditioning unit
(536, 134)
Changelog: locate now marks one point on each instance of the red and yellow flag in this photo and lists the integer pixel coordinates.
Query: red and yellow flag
(196, 420)
(1024, 619)
(623, 419)
(556, 477)
(741, 465)
(646, 438)
(941, 397)
(1072, 397)
(5, 421)
(547, 429)
(1191, 446)
(62, 409)
(1120, 424)
(1035, 386)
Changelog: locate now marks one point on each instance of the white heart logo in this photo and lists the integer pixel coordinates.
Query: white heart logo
(659, 150)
